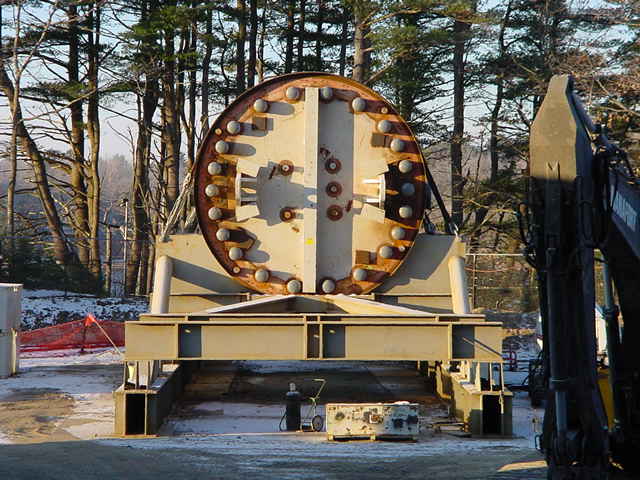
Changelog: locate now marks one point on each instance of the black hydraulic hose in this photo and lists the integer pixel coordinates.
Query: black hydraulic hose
(449, 226)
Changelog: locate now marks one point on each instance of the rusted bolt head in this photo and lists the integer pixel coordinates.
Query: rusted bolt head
(405, 166)
(334, 212)
(294, 286)
(285, 167)
(334, 189)
(260, 105)
(332, 165)
(236, 270)
(384, 110)
(223, 234)
(234, 127)
(287, 214)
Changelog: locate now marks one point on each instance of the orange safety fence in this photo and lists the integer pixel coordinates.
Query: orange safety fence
(80, 334)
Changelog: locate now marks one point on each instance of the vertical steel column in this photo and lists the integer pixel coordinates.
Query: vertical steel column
(162, 285)
(458, 278)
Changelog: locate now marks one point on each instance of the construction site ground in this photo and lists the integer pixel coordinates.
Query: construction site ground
(227, 427)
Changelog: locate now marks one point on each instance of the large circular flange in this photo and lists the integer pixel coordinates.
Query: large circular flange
(266, 168)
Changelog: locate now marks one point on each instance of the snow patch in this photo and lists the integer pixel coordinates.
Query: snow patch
(41, 308)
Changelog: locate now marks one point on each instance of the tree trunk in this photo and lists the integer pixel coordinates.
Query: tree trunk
(495, 113)
(79, 210)
(240, 41)
(301, 35)
(206, 61)
(344, 41)
(10, 231)
(140, 188)
(253, 36)
(460, 30)
(61, 253)
(171, 130)
(288, 56)
(108, 262)
(319, 21)
(263, 33)
(93, 132)
(361, 53)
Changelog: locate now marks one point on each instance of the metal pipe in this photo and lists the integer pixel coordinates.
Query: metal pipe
(558, 375)
(458, 279)
(613, 342)
(162, 285)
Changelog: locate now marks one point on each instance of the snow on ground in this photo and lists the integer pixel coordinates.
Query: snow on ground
(61, 358)
(229, 418)
(41, 308)
(316, 444)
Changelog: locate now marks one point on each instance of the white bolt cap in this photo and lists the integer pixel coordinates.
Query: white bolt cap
(235, 253)
(292, 93)
(260, 105)
(405, 211)
(326, 93)
(222, 146)
(358, 104)
(294, 286)
(360, 274)
(328, 286)
(397, 233)
(223, 234)
(386, 251)
(215, 213)
(408, 189)
(405, 166)
(214, 168)
(234, 127)
(384, 126)
(261, 275)
(397, 145)
(211, 190)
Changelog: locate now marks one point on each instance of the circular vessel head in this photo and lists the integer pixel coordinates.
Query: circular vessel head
(310, 183)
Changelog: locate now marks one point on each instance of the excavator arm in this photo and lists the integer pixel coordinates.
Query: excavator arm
(583, 196)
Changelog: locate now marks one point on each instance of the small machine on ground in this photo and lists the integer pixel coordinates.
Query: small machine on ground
(373, 421)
